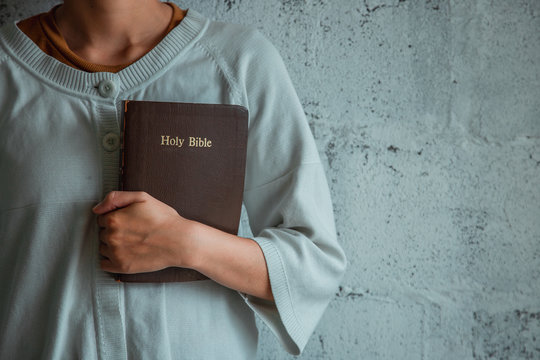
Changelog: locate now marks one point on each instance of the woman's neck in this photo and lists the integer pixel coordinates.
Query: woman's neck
(112, 32)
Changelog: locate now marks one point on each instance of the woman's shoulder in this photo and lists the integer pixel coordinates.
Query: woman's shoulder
(237, 41)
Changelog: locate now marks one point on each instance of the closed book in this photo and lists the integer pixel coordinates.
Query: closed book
(191, 157)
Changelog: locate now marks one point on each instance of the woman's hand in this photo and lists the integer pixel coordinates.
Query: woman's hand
(141, 234)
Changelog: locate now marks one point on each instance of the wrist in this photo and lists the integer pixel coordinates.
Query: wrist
(190, 235)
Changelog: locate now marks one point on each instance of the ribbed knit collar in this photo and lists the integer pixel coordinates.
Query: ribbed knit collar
(18, 45)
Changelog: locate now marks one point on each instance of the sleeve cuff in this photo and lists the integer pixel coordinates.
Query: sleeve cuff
(279, 315)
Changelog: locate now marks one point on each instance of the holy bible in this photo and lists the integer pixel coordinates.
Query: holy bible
(191, 157)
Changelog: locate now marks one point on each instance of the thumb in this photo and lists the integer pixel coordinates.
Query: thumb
(118, 199)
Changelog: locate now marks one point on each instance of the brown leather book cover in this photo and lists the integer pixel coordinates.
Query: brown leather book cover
(191, 157)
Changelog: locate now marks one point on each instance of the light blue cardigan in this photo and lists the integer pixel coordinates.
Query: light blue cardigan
(55, 302)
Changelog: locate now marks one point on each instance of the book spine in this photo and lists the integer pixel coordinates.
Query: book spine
(118, 277)
(122, 146)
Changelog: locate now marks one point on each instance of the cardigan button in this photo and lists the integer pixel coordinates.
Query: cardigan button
(106, 88)
(111, 142)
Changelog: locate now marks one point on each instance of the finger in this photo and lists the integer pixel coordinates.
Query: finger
(106, 236)
(103, 236)
(107, 265)
(119, 199)
(102, 221)
(110, 220)
(104, 250)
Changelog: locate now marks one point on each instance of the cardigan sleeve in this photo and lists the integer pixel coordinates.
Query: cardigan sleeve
(287, 200)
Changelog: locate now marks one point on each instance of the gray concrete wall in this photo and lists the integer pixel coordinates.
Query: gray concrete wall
(427, 117)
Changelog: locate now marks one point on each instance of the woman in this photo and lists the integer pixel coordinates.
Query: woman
(63, 75)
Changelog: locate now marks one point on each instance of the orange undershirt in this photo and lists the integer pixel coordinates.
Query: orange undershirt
(43, 31)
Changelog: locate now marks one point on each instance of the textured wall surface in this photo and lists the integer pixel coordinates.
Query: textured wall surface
(427, 117)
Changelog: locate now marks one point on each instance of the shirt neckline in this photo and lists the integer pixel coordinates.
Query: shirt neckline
(55, 38)
(25, 51)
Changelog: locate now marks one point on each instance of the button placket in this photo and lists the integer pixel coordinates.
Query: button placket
(110, 328)
(110, 143)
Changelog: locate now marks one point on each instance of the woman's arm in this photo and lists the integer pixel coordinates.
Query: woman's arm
(140, 234)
